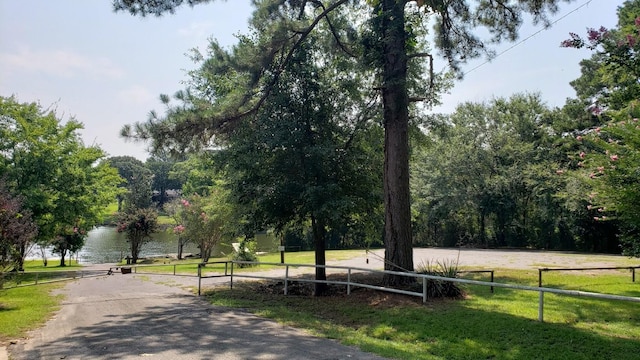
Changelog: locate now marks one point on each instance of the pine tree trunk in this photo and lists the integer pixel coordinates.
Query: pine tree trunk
(319, 239)
(397, 234)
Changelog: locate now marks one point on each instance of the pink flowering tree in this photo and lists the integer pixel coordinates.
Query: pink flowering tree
(138, 226)
(609, 155)
(609, 78)
(175, 210)
(609, 164)
(208, 220)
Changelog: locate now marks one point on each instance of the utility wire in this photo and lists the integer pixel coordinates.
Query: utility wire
(532, 35)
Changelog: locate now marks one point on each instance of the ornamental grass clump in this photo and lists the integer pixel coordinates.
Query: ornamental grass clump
(246, 251)
(439, 288)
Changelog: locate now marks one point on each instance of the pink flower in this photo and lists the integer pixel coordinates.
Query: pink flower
(598, 129)
(596, 218)
(579, 138)
(631, 40)
(614, 157)
(592, 175)
(601, 169)
(582, 154)
(185, 203)
(179, 229)
(589, 207)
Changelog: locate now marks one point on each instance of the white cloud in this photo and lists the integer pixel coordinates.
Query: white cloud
(197, 30)
(136, 94)
(59, 63)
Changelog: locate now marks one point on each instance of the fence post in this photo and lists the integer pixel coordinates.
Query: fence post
(286, 279)
(541, 307)
(633, 274)
(36, 278)
(539, 277)
(492, 281)
(424, 290)
(349, 282)
(231, 282)
(199, 279)
(174, 269)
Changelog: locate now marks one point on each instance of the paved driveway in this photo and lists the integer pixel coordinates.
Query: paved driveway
(135, 316)
(130, 317)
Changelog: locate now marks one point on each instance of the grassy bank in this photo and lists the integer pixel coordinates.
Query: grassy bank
(500, 325)
(26, 308)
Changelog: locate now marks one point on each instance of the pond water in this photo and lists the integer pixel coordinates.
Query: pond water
(105, 245)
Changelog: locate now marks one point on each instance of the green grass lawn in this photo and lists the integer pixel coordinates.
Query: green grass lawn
(485, 325)
(25, 308)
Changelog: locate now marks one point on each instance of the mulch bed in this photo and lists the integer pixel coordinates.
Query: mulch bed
(365, 296)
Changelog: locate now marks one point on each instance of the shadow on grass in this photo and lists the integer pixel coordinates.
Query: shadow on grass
(466, 329)
(475, 334)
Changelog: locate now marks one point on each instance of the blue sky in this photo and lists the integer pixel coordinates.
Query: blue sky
(107, 69)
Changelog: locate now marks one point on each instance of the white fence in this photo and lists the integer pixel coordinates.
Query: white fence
(421, 278)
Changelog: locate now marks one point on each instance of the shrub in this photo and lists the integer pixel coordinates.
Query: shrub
(438, 288)
(246, 252)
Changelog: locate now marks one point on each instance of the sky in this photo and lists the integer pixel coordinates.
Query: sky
(108, 69)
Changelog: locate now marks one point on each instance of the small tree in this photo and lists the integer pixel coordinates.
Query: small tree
(17, 230)
(138, 225)
(174, 210)
(70, 241)
(207, 220)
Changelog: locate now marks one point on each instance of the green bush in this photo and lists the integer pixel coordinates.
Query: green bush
(437, 288)
(246, 252)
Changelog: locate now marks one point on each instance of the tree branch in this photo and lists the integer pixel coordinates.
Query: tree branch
(411, 56)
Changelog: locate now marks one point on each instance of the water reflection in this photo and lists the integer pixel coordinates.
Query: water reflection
(105, 245)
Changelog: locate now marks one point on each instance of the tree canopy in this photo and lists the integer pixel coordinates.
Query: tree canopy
(390, 45)
(63, 183)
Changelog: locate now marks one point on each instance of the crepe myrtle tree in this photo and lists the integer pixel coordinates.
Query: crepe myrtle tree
(207, 220)
(138, 225)
(608, 159)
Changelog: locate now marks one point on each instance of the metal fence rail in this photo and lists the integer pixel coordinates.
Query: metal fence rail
(20, 279)
(420, 278)
(631, 268)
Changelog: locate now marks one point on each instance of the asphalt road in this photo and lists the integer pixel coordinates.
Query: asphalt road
(137, 316)
(133, 316)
